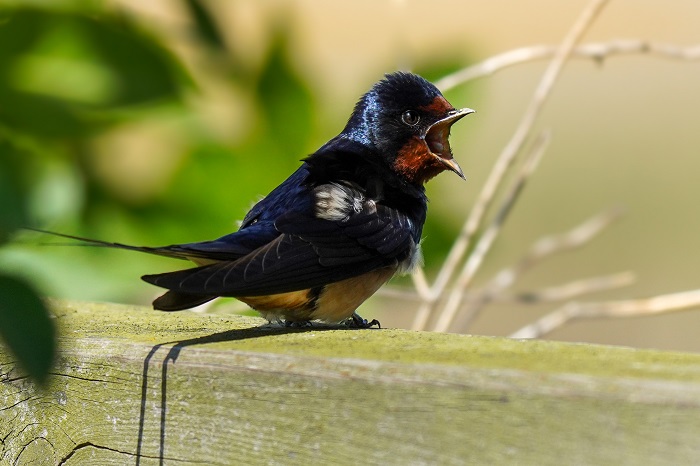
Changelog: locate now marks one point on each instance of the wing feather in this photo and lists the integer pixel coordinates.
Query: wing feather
(307, 252)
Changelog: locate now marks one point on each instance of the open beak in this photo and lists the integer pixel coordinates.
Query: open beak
(437, 138)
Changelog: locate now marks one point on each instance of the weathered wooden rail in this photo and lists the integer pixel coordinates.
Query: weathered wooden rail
(134, 386)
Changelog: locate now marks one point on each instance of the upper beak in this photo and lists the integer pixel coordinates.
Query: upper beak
(437, 139)
(455, 115)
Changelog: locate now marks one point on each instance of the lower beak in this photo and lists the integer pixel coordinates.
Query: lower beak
(452, 165)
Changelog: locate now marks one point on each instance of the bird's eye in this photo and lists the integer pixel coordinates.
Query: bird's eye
(410, 117)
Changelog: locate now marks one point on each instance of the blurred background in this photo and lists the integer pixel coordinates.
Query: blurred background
(162, 122)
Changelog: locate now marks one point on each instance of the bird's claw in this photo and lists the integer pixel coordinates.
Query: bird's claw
(355, 321)
(297, 323)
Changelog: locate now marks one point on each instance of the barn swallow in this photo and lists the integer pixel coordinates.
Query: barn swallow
(347, 220)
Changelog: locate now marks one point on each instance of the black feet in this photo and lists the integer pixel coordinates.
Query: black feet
(297, 323)
(355, 321)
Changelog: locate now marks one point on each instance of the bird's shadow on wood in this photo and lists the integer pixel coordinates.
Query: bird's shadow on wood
(174, 352)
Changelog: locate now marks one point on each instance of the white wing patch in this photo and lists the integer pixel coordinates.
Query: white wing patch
(336, 202)
(414, 259)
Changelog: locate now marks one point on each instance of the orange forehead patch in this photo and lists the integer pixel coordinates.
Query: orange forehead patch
(439, 106)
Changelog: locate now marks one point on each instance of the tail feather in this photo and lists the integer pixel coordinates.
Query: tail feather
(171, 300)
(176, 301)
(167, 251)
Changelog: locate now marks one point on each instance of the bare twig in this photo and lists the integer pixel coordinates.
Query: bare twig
(563, 292)
(573, 289)
(577, 237)
(508, 154)
(630, 308)
(598, 51)
(420, 282)
(490, 234)
(556, 293)
(542, 249)
(420, 320)
(398, 292)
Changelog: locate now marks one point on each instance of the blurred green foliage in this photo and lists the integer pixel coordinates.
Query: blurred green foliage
(26, 327)
(105, 133)
(66, 76)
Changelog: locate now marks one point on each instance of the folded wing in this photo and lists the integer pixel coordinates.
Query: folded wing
(308, 252)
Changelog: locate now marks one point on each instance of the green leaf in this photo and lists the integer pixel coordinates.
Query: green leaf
(13, 207)
(145, 70)
(41, 116)
(63, 72)
(26, 327)
(285, 101)
(206, 26)
(18, 32)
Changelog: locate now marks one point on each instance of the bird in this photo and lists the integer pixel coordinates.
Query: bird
(339, 227)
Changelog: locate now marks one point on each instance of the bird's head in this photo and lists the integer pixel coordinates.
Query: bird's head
(406, 121)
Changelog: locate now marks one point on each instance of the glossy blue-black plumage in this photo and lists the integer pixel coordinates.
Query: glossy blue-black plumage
(288, 243)
(283, 246)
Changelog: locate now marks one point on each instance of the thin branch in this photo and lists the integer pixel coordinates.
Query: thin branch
(483, 246)
(420, 320)
(573, 289)
(545, 247)
(630, 308)
(420, 282)
(398, 292)
(507, 156)
(598, 51)
(574, 238)
(563, 292)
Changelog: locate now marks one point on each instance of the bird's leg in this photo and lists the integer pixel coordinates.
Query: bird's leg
(355, 321)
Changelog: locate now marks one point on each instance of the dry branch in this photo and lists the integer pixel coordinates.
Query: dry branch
(556, 293)
(483, 246)
(495, 290)
(629, 308)
(548, 246)
(598, 51)
(506, 159)
(573, 289)
(542, 249)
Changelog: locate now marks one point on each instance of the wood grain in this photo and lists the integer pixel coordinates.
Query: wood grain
(134, 386)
